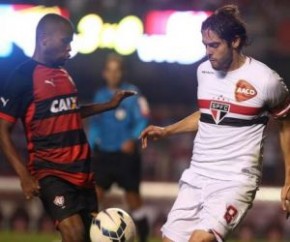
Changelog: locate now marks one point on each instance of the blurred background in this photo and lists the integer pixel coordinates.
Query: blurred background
(161, 44)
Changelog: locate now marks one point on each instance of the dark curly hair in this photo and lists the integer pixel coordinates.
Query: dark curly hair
(226, 22)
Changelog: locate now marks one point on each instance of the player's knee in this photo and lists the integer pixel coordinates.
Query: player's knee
(202, 236)
(72, 233)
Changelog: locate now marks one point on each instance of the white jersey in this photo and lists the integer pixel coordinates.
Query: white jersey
(234, 110)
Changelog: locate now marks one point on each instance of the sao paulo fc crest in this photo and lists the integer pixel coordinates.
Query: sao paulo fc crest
(219, 110)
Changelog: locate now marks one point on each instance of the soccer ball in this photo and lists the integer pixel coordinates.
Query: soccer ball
(112, 225)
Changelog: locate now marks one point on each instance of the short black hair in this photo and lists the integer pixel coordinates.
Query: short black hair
(51, 19)
(227, 23)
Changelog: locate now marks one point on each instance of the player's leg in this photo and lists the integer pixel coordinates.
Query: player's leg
(184, 216)
(202, 236)
(88, 204)
(129, 178)
(197, 236)
(72, 229)
(68, 207)
(225, 205)
(76, 228)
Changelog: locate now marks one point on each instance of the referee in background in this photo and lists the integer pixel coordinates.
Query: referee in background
(114, 136)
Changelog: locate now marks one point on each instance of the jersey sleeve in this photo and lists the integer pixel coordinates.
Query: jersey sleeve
(16, 95)
(277, 95)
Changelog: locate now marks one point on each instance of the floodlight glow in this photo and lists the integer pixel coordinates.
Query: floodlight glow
(20, 24)
(123, 36)
(88, 39)
(6, 46)
(128, 35)
(170, 36)
(181, 42)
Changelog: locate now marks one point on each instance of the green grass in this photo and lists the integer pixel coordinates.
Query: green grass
(38, 237)
(35, 237)
(28, 237)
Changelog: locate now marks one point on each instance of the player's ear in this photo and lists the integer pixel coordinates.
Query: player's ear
(236, 42)
(43, 39)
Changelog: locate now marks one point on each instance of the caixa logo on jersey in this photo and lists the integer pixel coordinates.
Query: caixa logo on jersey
(219, 110)
(64, 104)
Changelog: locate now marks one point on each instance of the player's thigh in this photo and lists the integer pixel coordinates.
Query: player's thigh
(226, 204)
(128, 172)
(62, 199)
(59, 198)
(184, 216)
(68, 204)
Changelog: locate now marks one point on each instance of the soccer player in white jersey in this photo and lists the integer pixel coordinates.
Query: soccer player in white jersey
(236, 94)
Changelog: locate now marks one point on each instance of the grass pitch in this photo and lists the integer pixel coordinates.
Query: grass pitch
(40, 237)
(36, 237)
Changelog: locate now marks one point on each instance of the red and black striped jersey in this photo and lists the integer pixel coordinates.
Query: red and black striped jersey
(46, 100)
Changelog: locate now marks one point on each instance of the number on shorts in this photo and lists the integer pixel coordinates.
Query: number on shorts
(230, 214)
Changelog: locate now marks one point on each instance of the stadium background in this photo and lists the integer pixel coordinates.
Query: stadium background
(166, 77)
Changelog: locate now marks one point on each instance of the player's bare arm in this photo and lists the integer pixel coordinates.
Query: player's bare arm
(186, 125)
(285, 144)
(29, 184)
(92, 109)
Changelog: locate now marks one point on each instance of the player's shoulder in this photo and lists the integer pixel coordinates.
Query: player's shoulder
(26, 68)
(22, 75)
(259, 67)
(265, 76)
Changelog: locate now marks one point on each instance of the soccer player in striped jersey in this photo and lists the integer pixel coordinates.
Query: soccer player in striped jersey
(43, 95)
(236, 94)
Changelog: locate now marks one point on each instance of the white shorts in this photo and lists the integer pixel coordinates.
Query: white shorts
(211, 205)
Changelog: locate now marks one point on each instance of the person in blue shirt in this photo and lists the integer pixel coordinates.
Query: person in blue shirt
(114, 137)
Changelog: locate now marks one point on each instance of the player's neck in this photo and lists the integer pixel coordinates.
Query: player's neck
(238, 60)
(41, 59)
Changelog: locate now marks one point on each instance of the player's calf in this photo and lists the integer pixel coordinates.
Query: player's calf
(202, 236)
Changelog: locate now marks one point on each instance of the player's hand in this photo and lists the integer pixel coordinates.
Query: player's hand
(128, 147)
(285, 199)
(119, 96)
(30, 186)
(153, 132)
